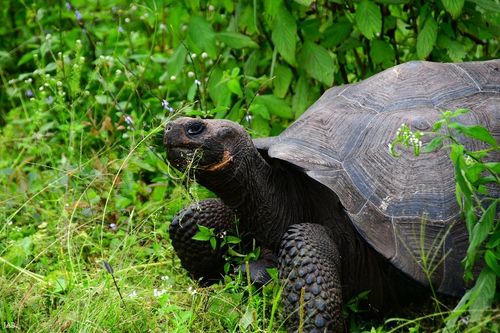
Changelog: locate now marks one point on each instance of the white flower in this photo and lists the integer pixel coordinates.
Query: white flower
(133, 294)
(163, 27)
(133, 8)
(158, 293)
(127, 20)
(118, 72)
(204, 55)
(78, 42)
(197, 82)
(193, 55)
(191, 290)
(48, 36)
(164, 278)
(173, 78)
(59, 83)
(190, 74)
(211, 8)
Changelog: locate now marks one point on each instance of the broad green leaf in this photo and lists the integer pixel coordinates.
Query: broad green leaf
(191, 94)
(476, 132)
(304, 2)
(284, 35)
(103, 99)
(382, 52)
(435, 144)
(302, 98)
(337, 33)
(427, 38)
(457, 157)
(232, 240)
(489, 5)
(272, 7)
(317, 62)
(203, 233)
(236, 113)
(483, 293)
(455, 50)
(393, 2)
(481, 230)
(282, 80)
(492, 261)
(494, 166)
(275, 106)
(201, 37)
(473, 172)
(454, 7)
(260, 126)
(368, 18)
(235, 40)
(218, 90)
(235, 87)
(25, 58)
(260, 110)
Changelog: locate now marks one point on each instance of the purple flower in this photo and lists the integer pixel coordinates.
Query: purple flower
(49, 99)
(166, 105)
(78, 15)
(129, 120)
(29, 93)
(112, 226)
(68, 6)
(120, 29)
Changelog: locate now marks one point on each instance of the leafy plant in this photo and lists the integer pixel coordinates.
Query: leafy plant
(477, 180)
(85, 89)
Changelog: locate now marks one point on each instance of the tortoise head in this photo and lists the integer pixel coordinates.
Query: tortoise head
(205, 145)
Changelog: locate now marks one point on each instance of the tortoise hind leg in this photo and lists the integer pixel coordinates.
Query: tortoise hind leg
(309, 268)
(198, 257)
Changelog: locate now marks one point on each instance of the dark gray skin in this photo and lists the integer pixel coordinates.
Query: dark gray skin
(320, 255)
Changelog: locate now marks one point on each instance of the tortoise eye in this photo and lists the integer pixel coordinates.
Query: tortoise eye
(195, 128)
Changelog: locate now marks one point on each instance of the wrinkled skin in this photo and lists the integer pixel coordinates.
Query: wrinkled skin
(322, 260)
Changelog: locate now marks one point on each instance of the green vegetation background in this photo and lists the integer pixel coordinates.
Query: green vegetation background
(85, 89)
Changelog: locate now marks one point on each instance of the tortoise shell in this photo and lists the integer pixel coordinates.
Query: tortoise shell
(405, 207)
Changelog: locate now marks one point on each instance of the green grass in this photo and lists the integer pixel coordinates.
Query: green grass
(82, 173)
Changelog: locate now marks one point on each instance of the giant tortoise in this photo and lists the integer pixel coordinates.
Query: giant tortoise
(326, 197)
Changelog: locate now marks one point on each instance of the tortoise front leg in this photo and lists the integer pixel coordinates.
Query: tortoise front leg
(198, 257)
(309, 268)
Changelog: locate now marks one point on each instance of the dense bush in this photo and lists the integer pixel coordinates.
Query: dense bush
(85, 90)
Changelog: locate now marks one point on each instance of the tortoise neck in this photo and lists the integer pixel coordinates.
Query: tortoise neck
(264, 197)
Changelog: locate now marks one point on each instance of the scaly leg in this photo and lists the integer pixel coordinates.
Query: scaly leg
(309, 267)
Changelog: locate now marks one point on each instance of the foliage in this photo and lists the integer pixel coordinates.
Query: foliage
(477, 180)
(86, 88)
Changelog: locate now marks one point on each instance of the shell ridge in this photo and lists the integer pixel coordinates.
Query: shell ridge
(348, 153)
(469, 76)
(355, 101)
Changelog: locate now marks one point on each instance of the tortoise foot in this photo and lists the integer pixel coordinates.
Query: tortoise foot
(309, 270)
(198, 257)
